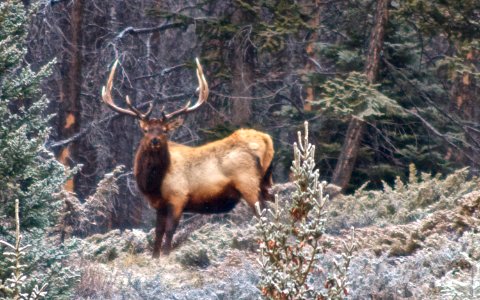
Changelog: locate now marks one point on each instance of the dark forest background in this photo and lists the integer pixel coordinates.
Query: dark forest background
(383, 83)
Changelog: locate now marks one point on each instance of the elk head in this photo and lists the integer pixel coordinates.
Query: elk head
(155, 130)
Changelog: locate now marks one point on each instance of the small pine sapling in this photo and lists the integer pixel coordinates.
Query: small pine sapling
(290, 237)
(15, 286)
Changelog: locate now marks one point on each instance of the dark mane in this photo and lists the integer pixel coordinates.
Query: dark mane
(150, 169)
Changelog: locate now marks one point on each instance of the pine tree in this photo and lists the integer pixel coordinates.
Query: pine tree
(28, 171)
(291, 237)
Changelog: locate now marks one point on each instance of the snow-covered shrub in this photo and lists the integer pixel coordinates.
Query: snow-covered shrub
(403, 203)
(463, 282)
(80, 219)
(290, 238)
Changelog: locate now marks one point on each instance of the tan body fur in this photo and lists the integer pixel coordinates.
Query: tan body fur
(198, 175)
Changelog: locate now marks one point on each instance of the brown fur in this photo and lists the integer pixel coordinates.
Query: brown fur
(206, 179)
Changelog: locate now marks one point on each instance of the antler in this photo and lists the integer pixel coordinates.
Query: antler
(202, 95)
(107, 98)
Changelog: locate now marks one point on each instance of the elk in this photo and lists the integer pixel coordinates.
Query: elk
(212, 178)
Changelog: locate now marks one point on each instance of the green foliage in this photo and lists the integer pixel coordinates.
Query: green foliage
(264, 25)
(273, 20)
(28, 171)
(404, 202)
(290, 235)
(428, 51)
(457, 19)
(355, 96)
(38, 273)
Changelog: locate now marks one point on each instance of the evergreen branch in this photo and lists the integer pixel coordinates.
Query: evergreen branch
(423, 95)
(444, 137)
(7, 244)
(310, 264)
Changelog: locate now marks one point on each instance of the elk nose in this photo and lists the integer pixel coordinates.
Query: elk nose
(155, 141)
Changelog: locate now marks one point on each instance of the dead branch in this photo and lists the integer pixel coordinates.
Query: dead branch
(163, 27)
(444, 137)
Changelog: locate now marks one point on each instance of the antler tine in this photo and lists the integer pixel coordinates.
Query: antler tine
(202, 94)
(107, 98)
(141, 115)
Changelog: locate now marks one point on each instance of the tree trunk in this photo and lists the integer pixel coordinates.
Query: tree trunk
(310, 50)
(375, 45)
(465, 103)
(346, 160)
(70, 108)
(242, 85)
(351, 145)
(243, 74)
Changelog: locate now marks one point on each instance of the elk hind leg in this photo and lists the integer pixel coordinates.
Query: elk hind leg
(266, 185)
(249, 188)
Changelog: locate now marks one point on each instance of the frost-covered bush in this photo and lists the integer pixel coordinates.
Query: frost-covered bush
(107, 247)
(239, 284)
(213, 241)
(80, 219)
(429, 273)
(402, 203)
(290, 238)
(463, 282)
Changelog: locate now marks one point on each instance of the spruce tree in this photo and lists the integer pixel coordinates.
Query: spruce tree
(28, 171)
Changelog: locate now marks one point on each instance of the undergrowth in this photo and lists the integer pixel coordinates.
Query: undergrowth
(403, 203)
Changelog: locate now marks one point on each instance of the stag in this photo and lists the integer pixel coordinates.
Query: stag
(212, 178)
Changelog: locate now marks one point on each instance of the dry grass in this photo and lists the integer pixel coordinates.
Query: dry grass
(96, 282)
(131, 259)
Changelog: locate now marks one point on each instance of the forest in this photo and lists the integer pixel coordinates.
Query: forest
(308, 149)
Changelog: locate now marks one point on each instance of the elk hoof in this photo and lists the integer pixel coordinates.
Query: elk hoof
(156, 254)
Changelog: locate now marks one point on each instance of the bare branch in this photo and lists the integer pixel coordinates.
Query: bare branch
(444, 137)
(162, 73)
(91, 125)
(135, 31)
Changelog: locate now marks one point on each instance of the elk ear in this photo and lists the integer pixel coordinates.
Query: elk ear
(174, 124)
(143, 125)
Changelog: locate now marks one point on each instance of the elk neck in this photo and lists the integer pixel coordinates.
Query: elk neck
(151, 165)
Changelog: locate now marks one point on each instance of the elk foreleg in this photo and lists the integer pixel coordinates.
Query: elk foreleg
(159, 231)
(173, 218)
